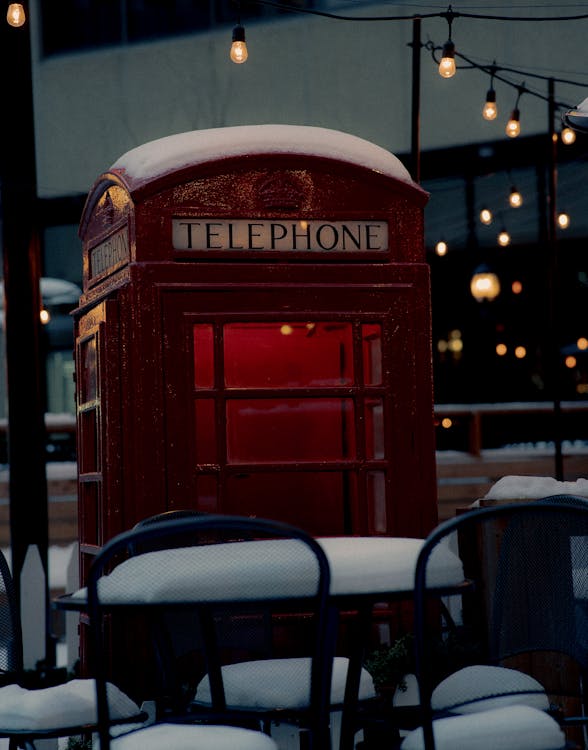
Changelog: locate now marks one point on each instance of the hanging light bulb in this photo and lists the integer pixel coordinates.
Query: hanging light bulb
(513, 126)
(16, 15)
(441, 248)
(485, 285)
(486, 216)
(515, 198)
(503, 238)
(490, 110)
(447, 64)
(563, 220)
(239, 52)
(568, 136)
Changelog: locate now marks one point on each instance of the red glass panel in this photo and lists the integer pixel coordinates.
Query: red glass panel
(312, 500)
(204, 414)
(262, 430)
(203, 356)
(371, 334)
(288, 355)
(207, 493)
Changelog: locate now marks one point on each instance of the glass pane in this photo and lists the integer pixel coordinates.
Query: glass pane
(203, 356)
(204, 414)
(282, 355)
(89, 376)
(312, 500)
(371, 335)
(207, 493)
(374, 428)
(376, 498)
(262, 430)
(89, 458)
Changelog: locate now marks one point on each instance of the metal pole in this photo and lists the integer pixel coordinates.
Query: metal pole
(416, 100)
(22, 304)
(553, 348)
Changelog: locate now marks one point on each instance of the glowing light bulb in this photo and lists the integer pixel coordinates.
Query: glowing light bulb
(490, 110)
(44, 316)
(485, 285)
(515, 198)
(563, 220)
(239, 53)
(504, 238)
(486, 216)
(447, 65)
(441, 248)
(501, 349)
(513, 126)
(568, 136)
(16, 15)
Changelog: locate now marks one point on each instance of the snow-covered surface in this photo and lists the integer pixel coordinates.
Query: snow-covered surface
(70, 704)
(281, 683)
(520, 727)
(274, 569)
(173, 152)
(481, 687)
(191, 736)
(532, 488)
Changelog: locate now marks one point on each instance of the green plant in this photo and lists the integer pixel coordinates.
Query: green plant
(389, 664)
(79, 743)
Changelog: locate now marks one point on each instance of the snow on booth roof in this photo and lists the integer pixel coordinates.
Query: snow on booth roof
(164, 155)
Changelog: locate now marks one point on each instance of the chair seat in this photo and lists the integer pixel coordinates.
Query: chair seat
(193, 737)
(71, 704)
(520, 727)
(482, 687)
(279, 684)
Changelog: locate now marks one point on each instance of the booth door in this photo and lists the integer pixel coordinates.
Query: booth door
(288, 415)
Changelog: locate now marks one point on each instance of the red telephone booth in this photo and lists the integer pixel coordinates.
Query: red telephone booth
(254, 335)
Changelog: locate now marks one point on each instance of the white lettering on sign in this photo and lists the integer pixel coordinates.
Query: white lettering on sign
(109, 254)
(279, 234)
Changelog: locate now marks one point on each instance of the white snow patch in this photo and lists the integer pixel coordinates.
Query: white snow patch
(173, 152)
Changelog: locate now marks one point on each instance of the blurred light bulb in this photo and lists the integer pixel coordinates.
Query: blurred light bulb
(16, 15)
(486, 216)
(504, 238)
(441, 248)
(485, 285)
(44, 316)
(501, 349)
(513, 126)
(490, 110)
(447, 64)
(239, 52)
(568, 136)
(516, 287)
(515, 198)
(563, 220)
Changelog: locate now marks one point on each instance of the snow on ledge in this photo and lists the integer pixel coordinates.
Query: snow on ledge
(173, 152)
(533, 488)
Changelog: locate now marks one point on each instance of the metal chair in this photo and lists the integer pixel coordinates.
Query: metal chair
(224, 578)
(27, 715)
(529, 566)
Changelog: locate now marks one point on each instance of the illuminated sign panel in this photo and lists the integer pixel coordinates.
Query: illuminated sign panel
(313, 235)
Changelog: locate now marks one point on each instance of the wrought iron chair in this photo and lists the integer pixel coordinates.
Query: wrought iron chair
(223, 574)
(529, 566)
(63, 710)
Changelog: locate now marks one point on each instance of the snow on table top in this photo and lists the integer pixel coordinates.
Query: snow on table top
(274, 569)
(173, 152)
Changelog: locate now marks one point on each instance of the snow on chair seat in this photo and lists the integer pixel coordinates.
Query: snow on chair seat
(520, 727)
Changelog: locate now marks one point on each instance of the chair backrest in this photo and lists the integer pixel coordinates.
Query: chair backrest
(222, 579)
(528, 563)
(10, 629)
